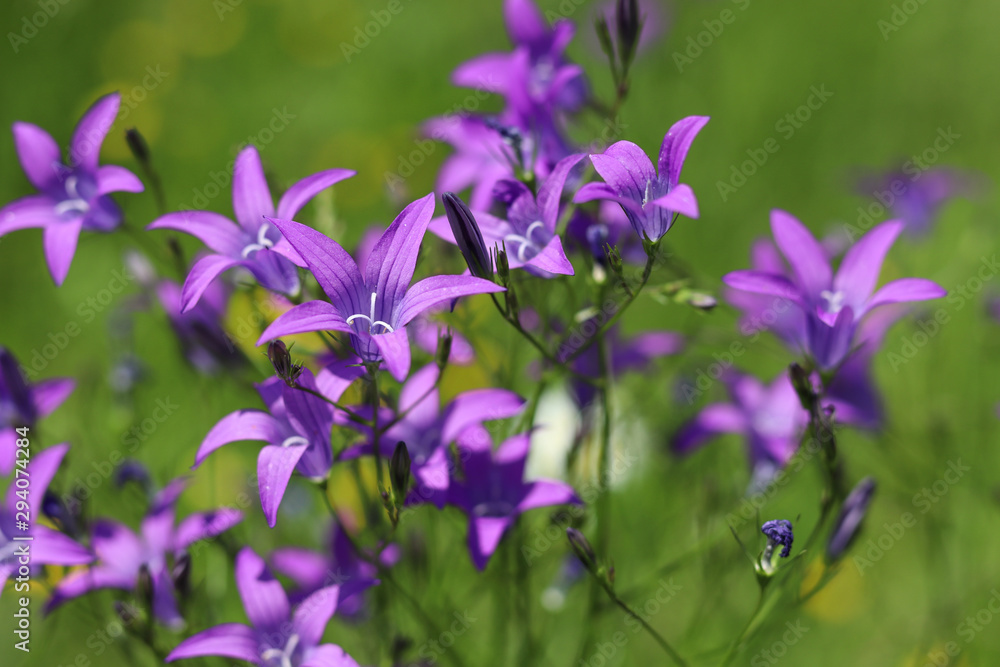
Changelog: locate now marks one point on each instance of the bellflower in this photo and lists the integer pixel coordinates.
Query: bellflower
(493, 493)
(73, 196)
(254, 244)
(339, 564)
(23, 404)
(122, 554)
(199, 330)
(276, 637)
(296, 429)
(916, 199)
(46, 547)
(779, 533)
(649, 198)
(428, 430)
(833, 305)
(529, 232)
(374, 307)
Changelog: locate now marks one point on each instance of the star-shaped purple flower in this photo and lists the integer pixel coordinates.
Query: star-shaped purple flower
(46, 547)
(23, 404)
(492, 492)
(649, 198)
(833, 305)
(122, 554)
(72, 196)
(373, 307)
(199, 331)
(427, 430)
(254, 244)
(529, 232)
(277, 637)
(296, 429)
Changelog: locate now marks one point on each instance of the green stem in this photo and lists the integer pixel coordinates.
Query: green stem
(664, 644)
(731, 653)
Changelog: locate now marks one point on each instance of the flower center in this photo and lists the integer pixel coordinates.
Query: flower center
(74, 202)
(371, 318)
(494, 508)
(262, 241)
(293, 440)
(834, 300)
(281, 657)
(525, 242)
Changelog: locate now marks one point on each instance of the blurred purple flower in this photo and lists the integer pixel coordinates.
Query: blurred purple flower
(199, 330)
(373, 308)
(47, 546)
(917, 198)
(529, 232)
(122, 554)
(832, 305)
(493, 493)
(848, 523)
(649, 198)
(254, 244)
(276, 637)
(23, 404)
(340, 564)
(296, 429)
(73, 196)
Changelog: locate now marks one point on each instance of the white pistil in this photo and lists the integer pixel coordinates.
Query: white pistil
(75, 203)
(282, 654)
(294, 440)
(262, 242)
(834, 300)
(370, 317)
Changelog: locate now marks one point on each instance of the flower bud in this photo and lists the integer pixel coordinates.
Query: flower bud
(399, 471)
(848, 524)
(443, 352)
(503, 265)
(779, 533)
(181, 574)
(281, 359)
(582, 549)
(137, 144)
(468, 236)
(628, 25)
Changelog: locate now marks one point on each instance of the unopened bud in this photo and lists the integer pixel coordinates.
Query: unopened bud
(848, 524)
(468, 236)
(137, 144)
(443, 352)
(628, 26)
(399, 472)
(582, 549)
(281, 359)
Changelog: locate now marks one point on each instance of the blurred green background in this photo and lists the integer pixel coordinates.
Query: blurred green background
(200, 77)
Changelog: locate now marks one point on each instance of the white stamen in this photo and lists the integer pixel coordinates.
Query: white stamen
(71, 182)
(72, 205)
(294, 440)
(532, 227)
(834, 300)
(525, 243)
(371, 318)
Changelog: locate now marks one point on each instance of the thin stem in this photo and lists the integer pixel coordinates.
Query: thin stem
(353, 416)
(731, 653)
(664, 644)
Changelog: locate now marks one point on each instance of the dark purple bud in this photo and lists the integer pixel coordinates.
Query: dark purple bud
(778, 532)
(281, 359)
(144, 586)
(597, 239)
(181, 574)
(628, 25)
(582, 549)
(848, 524)
(443, 352)
(17, 408)
(467, 236)
(137, 144)
(399, 472)
(131, 470)
(503, 265)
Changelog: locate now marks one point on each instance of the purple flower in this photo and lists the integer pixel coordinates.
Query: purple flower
(340, 564)
(254, 244)
(296, 429)
(770, 418)
(833, 305)
(276, 636)
(199, 330)
(374, 307)
(624, 354)
(778, 532)
(492, 492)
(72, 196)
(47, 547)
(23, 404)
(122, 554)
(916, 199)
(529, 232)
(428, 430)
(649, 198)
